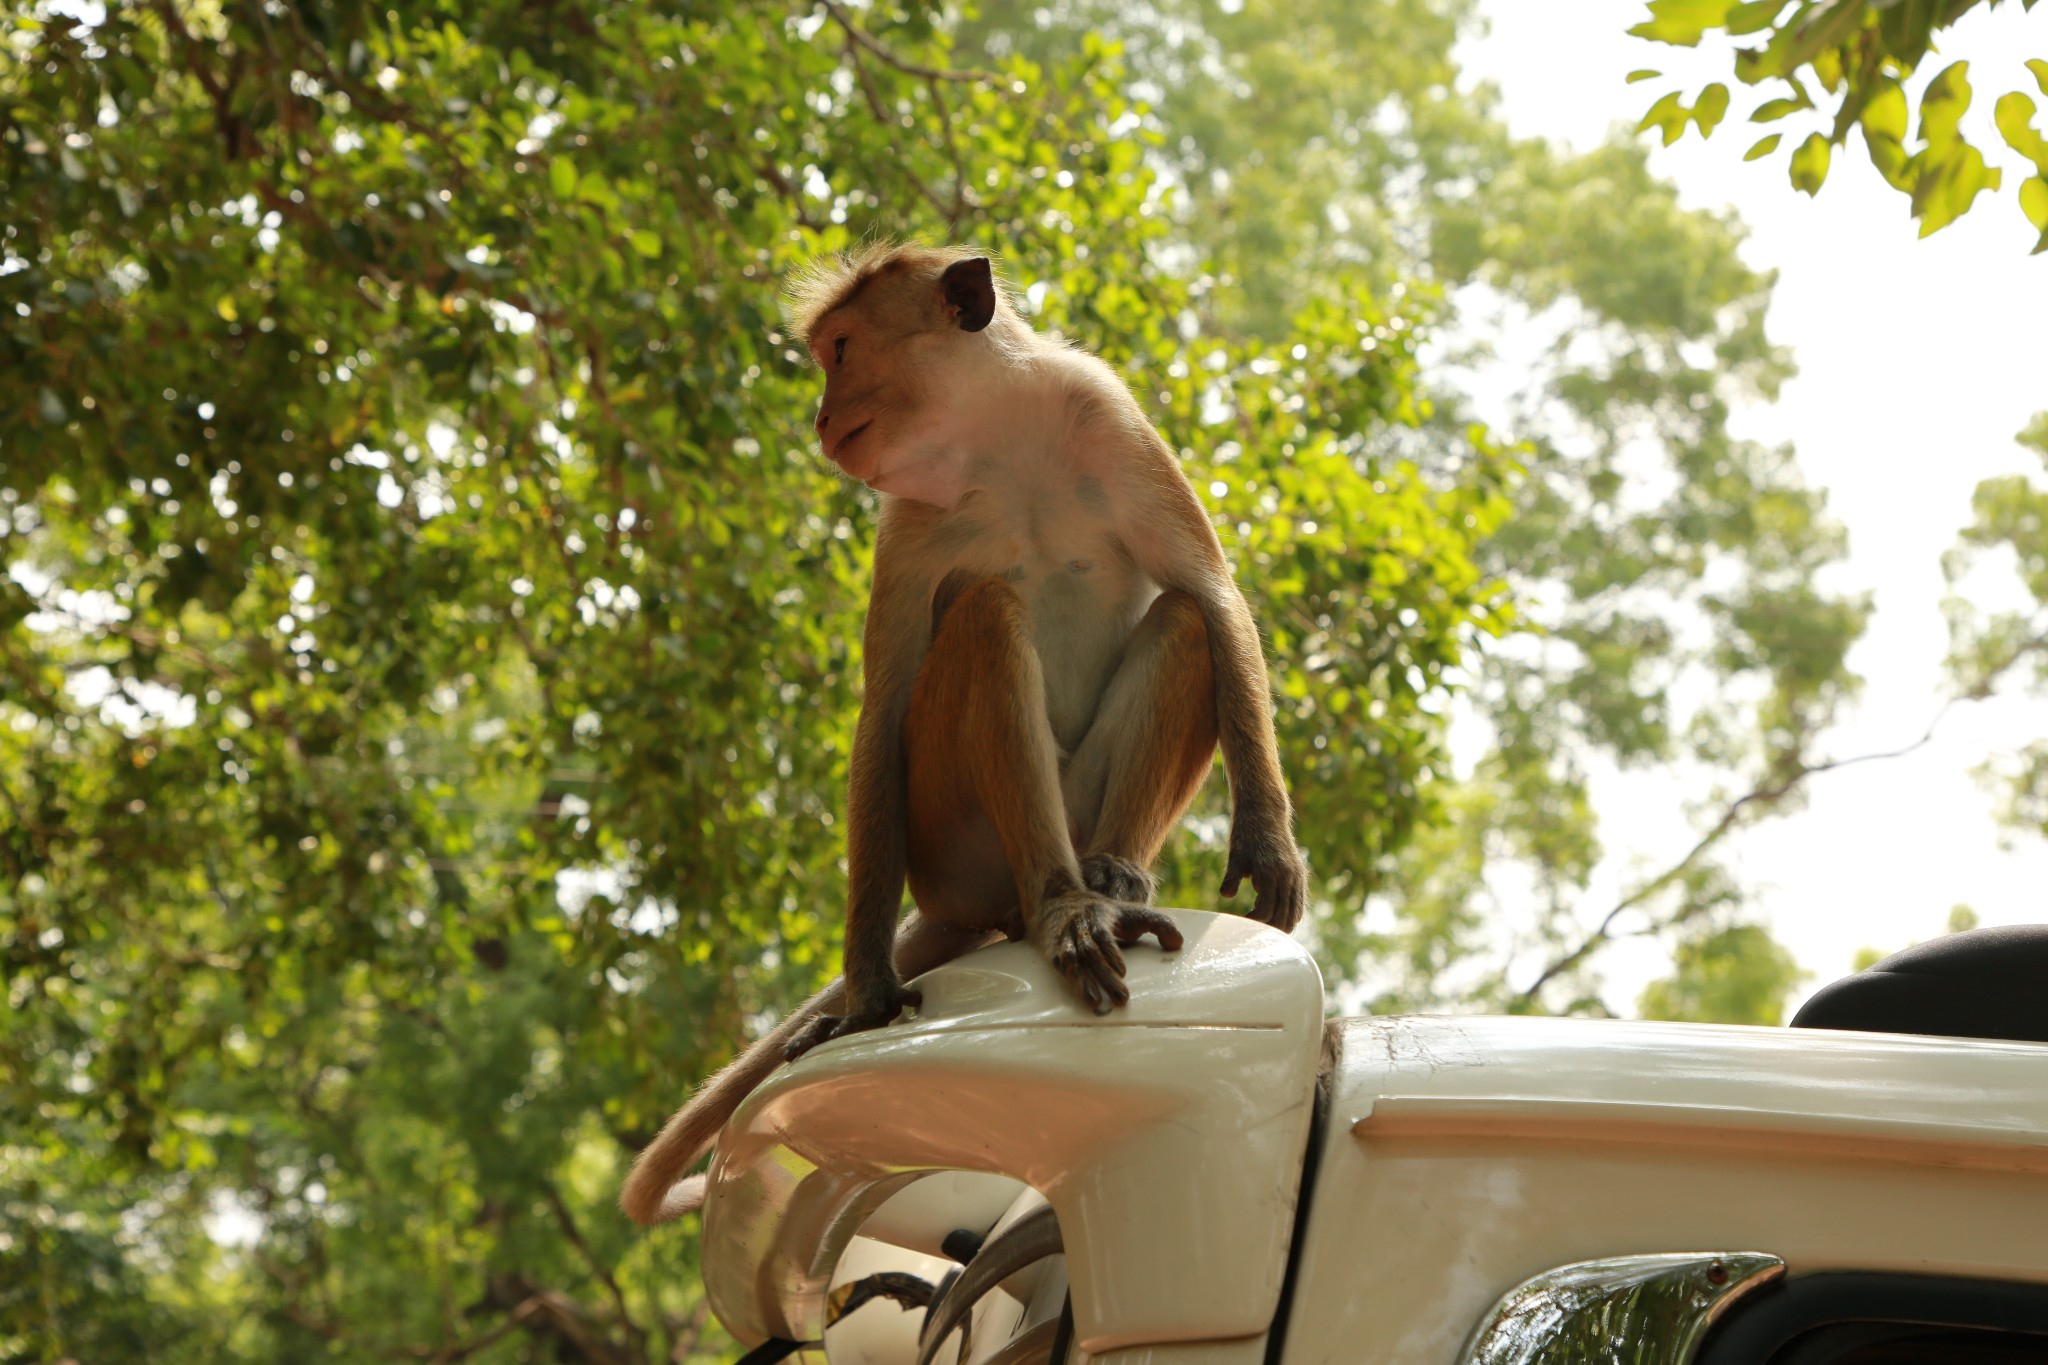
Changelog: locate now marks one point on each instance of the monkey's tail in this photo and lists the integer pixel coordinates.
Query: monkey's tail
(655, 1190)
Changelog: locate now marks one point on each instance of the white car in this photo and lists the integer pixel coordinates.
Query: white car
(1215, 1176)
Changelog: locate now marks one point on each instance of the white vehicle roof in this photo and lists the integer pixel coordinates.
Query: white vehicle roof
(1453, 1156)
(1492, 1150)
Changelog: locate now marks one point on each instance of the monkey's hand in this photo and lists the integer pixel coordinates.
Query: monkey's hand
(1079, 933)
(1278, 871)
(858, 1019)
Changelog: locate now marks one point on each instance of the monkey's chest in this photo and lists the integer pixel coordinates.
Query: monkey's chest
(1084, 594)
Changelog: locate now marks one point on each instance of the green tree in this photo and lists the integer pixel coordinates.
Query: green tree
(2006, 649)
(431, 646)
(1735, 975)
(1858, 55)
(1663, 572)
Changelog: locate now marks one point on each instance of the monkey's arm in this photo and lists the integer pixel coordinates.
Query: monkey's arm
(894, 642)
(1180, 550)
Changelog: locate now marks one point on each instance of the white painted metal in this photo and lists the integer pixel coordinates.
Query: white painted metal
(1465, 1155)
(1461, 1156)
(1168, 1136)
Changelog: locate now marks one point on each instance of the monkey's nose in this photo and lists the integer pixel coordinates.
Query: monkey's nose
(823, 418)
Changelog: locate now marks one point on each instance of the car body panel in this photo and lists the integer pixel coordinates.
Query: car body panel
(1168, 1136)
(1464, 1155)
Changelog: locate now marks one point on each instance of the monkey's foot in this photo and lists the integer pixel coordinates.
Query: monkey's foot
(857, 1020)
(1080, 934)
(1120, 879)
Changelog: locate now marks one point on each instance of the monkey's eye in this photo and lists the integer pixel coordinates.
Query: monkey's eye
(839, 351)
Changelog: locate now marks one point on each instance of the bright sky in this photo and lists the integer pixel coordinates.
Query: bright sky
(1918, 361)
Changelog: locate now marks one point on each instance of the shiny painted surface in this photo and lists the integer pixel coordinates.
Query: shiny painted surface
(1465, 1155)
(1168, 1137)
(1658, 1306)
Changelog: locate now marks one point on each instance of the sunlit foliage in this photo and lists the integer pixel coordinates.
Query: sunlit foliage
(1842, 66)
(431, 645)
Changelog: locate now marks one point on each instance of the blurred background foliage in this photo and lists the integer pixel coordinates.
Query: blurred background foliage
(429, 646)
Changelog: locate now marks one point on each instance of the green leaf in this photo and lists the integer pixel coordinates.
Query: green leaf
(593, 188)
(1643, 74)
(1668, 115)
(1770, 111)
(646, 243)
(1810, 164)
(1681, 23)
(1754, 17)
(2034, 201)
(1708, 110)
(2014, 115)
(1943, 106)
(1764, 147)
(1888, 155)
(562, 177)
(2040, 70)
(1884, 113)
(1947, 182)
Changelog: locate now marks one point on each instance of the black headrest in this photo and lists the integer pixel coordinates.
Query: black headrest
(1986, 983)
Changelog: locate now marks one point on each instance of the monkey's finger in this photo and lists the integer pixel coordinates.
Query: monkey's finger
(1105, 948)
(1232, 875)
(1067, 960)
(1287, 899)
(1111, 983)
(1101, 984)
(1093, 993)
(1133, 922)
(1283, 894)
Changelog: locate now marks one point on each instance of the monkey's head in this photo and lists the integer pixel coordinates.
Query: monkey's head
(903, 335)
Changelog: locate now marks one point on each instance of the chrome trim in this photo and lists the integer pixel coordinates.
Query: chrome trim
(1027, 1241)
(1642, 1310)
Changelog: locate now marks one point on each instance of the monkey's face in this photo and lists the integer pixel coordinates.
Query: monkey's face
(899, 361)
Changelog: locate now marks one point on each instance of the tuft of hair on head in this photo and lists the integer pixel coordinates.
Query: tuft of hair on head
(834, 281)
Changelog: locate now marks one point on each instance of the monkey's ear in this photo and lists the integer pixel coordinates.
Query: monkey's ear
(969, 287)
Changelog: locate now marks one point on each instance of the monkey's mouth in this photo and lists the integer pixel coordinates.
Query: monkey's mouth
(839, 449)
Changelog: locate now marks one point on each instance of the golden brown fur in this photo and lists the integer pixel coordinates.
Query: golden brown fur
(1053, 652)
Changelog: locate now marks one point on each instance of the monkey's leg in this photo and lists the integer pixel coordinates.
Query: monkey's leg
(1148, 751)
(989, 843)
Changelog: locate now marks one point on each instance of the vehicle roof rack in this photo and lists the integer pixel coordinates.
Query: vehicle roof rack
(1983, 983)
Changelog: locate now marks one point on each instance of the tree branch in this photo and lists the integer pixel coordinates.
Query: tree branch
(894, 62)
(960, 188)
(882, 116)
(1762, 796)
(591, 1258)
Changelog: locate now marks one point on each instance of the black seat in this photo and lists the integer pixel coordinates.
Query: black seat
(1986, 983)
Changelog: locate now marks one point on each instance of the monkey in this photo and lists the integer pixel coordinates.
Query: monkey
(1054, 650)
